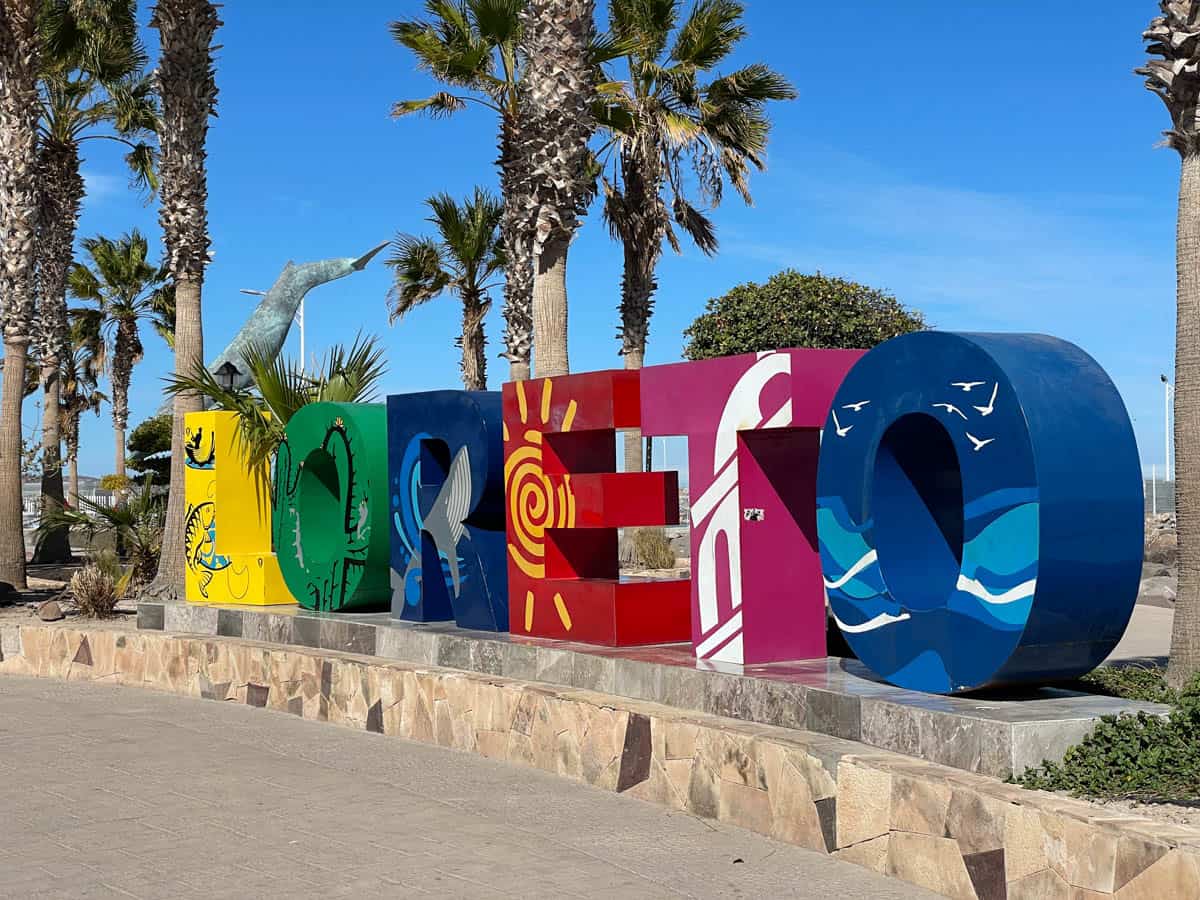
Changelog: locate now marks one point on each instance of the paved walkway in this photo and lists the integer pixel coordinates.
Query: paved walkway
(120, 792)
(1148, 638)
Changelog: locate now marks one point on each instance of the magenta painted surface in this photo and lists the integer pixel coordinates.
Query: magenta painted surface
(752, 424)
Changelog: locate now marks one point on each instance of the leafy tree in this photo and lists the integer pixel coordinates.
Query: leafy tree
(662, 117)
(127, 289)
(150, 448)
(474, 48)
(461, 260)
(80, 391)
(795, 310)
(187, 88)
(19, 62)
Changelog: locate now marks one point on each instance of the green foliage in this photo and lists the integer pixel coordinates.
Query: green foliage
(1132, 683)
(281, 388)
(795, 310)
(114, 484)
(1141, 756)
(136, 524)
(150, 448)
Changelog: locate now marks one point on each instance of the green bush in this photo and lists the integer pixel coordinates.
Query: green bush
(795, 310)
(1132, 683)
(1140, 757)
(149, 449)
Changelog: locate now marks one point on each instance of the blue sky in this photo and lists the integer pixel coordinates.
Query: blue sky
(983, 168)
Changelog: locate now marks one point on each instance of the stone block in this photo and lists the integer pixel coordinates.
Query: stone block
(744, 806)
(185, 618)
(518, 661)
(306, 631)
(554, 666)
(683, 687)
(1043, 885)
(594, 673)
(919, 805)
(268, 628)
(930, 862)
(229, 622)
(870, 854)
(454, 652)
(637, 679)
(864, 803)
(1177, 874)
(487, 657)
(1034, 742)
(976, 822)
(834, 713)
(414, 645)
(150, 616)
(347, 637)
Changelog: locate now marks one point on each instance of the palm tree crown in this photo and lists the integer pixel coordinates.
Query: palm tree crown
(474, 46)
(128, 290)
(467, 254)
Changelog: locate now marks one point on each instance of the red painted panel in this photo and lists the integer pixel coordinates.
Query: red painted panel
(565, 502)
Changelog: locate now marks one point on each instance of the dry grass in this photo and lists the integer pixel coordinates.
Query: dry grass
(95, 592)
(647, 548)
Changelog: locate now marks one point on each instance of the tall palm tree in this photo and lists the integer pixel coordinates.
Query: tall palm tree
(556, 106)
(662, 117)
(80, 394)
(187, 89)
(462, 260)
(128, 290)
(474, 46)
(91, 89)
(1173, 73)
(18, 220)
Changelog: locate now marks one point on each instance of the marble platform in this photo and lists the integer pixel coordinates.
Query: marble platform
(989, 733)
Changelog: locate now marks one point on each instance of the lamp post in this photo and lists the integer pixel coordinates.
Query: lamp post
(1166, 427)
(227, 375)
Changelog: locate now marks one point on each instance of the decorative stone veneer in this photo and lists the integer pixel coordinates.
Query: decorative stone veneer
(957, 833)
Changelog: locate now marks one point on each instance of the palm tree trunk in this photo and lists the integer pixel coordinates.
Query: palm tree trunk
(73, 469)
(518, 252)
(1185, 638)
(633, 438)
(550, 309)
(18, 220)
(119, 454)
(474, 359)
(12, 532)
(189, 356)
(55, 546)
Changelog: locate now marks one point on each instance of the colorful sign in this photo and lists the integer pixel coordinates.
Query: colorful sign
(969, 504)
(226, 498)
(979, 511)
(330, 507)
(753, 427)
(446, 470)
(565, 504)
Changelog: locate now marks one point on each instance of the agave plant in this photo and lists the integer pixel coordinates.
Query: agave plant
(281, 387)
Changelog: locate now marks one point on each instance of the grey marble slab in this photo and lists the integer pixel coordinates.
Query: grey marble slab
(989, 733)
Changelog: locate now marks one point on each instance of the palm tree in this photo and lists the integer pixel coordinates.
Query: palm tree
(187, 89)
(81, 393)
(556, 105)
(127, 290)
(462, 261)
(474, 46)
(662, 117)
(1173, 73)
(18, 219)
(91, 89)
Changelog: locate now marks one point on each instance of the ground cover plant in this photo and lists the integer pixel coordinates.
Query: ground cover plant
(1139, 757)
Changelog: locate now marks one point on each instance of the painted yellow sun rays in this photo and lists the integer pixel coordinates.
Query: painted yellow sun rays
(533, 503)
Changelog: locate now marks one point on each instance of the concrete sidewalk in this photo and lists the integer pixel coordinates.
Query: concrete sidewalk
(1148, 637)
(119, 792)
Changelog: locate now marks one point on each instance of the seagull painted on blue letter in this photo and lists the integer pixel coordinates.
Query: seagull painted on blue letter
(978, 444)
(966, 385)
(951, 408)
(991, 406)
(857, 407)
(841, 432)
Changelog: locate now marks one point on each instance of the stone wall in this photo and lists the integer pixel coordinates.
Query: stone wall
(961, 834)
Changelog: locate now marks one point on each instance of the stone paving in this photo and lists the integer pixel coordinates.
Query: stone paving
(117, 792)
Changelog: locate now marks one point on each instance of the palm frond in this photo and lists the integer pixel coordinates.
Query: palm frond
(439, 106)
(709, 33)
(418, 271)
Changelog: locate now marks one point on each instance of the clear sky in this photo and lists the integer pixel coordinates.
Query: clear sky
(984, 164)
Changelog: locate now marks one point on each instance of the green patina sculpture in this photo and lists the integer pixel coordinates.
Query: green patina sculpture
(268, 326)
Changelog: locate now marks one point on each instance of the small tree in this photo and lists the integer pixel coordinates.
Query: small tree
(795, 310)
(150, 449)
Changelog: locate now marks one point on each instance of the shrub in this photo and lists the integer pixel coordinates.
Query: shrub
(95, 592)
(1140, 757)
(647, 548)
(794, 310)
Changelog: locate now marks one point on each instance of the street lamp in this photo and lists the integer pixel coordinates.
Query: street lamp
(1166, 426)
(228, 375)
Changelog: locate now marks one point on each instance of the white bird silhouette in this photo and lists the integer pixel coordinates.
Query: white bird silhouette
(991, 406)
(966, 385)
(951, 408)
(979, 445)
(857, 407)
(841, 432)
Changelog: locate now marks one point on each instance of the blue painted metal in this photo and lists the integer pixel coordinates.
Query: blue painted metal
(979, 511)
(446, 478)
